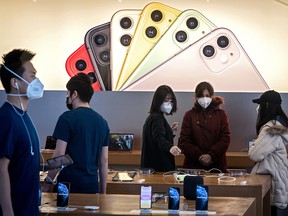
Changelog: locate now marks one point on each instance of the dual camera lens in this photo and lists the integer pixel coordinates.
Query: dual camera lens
(81, 65)
(222, 42)
(156, 16)
(191, 23)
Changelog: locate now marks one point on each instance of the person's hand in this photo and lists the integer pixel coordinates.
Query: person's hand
(175, 150)
(174, 127)
(205, 159)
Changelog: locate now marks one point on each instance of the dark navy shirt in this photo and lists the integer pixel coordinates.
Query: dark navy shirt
(85, 132)
(23, 167)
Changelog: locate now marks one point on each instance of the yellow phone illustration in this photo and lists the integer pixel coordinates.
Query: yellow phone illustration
(154, 20)
(122, 27)
(189, 27)
(218, 58)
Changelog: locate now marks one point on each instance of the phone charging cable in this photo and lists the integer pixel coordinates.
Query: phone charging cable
(226, 179)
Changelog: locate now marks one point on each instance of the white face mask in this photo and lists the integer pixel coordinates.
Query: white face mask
(166, 107)
(204, 101)
(34, 89)
(257, 109)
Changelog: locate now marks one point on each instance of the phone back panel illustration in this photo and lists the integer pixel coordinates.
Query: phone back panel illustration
(189, 27)
(155, 19)
(79, 61)
(97, 41)
(122, 28)
(218, 58)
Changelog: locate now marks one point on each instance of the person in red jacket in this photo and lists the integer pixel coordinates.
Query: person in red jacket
(205, 132)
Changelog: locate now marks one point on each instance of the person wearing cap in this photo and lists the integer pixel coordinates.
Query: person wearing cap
(269, 149)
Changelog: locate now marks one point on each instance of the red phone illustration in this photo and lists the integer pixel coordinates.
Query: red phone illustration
(79, 61)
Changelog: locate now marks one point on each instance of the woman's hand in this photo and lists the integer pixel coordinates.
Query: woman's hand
(175, 150)
(205, 159)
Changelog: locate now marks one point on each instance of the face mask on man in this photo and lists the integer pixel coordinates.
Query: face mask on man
(204, 101)
(166, 107)
(34, 89)
(69, 105)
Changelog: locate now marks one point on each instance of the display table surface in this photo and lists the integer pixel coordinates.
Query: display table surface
(129, 205)
(250, 185)
(133, 158)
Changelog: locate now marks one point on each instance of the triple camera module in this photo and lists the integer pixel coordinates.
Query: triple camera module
(222, 43)
(191, 23)
(101, 40)
(156, 16)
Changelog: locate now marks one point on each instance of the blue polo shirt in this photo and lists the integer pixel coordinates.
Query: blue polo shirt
(23, 167)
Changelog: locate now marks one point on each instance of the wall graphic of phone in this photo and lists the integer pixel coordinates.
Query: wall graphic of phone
(63, 189)
(79, 61)
(189, 27)
(122, 27)
(146, 197)
(97, 42)
(154, 20)
(173, 198)
(202, 196)
(217, 57)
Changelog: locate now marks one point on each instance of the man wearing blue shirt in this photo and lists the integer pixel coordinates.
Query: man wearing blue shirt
(82, 133)
(19, 142)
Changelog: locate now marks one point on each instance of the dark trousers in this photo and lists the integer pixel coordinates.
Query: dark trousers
(279, 212)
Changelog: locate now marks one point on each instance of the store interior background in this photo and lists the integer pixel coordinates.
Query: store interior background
(54, 29)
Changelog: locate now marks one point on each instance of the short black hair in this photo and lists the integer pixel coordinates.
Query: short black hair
(159, 97)
(201, 87)
(14, 60)
(81, 83)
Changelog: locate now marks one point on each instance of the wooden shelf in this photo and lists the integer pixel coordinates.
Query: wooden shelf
(133, 158)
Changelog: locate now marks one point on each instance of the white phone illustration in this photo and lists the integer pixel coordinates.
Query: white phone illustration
(218, 58)
(122, 27)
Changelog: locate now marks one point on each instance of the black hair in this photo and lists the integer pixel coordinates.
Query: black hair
(83, 85)
(201, 87)
(268, 112)
(159, 97)
(14, 60)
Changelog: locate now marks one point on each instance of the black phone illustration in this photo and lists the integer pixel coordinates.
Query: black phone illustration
(63, 189)
(59, 162)
(173, 198)
(97, 42)
(202, 197)
(146, 197)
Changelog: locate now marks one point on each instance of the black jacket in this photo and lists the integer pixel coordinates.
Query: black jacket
(157, 139)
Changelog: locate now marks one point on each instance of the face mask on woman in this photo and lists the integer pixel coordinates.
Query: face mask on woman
(204, 101)
(166, 107)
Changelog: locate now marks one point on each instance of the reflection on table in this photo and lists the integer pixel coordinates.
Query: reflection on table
(129, 205)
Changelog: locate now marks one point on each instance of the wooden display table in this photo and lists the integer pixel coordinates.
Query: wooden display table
(257, 186)
(129, 205)
(234, 159)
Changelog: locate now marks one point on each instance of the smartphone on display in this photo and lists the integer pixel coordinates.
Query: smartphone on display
(218, 58)
(146, 197)
(154, 20)
(189, 27)
(173, 198)
(122, 27)
(202, 196)
(58, 162)
(97, 42)
(63, 189)
(79, 61)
